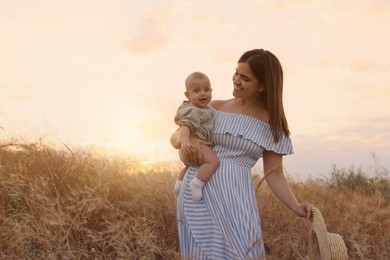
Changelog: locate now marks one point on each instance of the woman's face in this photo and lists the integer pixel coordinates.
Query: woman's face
(245, 83)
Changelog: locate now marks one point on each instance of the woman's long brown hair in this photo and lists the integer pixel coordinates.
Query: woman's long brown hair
(268, 71)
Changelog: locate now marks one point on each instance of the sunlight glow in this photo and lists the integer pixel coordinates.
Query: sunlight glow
(110, 76)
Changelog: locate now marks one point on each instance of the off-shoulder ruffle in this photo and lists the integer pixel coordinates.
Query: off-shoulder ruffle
(252, 129)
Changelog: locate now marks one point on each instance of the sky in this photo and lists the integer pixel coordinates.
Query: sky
(110, 74)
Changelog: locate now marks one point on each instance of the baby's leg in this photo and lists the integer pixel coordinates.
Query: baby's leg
(210, 164)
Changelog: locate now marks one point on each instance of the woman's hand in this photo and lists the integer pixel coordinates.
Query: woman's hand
(186, 147)
(304, 210)
(191, 151)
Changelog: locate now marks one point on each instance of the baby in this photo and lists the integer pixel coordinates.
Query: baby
(195, 118)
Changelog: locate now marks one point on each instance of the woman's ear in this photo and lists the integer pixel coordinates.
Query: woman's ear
(261, 87)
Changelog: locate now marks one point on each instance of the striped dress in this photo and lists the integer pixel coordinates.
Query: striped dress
(225, 224)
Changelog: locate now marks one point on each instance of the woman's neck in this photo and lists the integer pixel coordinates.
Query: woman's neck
(244, 107)
(249, 103)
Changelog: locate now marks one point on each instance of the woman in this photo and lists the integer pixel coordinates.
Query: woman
(226, 223)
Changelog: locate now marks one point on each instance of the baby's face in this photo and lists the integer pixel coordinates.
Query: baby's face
(199, 92)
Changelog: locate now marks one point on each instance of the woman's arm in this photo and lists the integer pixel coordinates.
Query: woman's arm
(276, 180)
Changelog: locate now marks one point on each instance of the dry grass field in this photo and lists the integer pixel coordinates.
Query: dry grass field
(64, 204)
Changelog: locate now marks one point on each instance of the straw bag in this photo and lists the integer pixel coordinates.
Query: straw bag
(324, 245)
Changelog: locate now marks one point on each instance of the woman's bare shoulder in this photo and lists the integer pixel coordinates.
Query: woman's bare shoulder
(217, 104)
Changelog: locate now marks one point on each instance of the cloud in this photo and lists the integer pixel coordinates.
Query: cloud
(146, 42)
(372, 128)
(352, 65)
(189, 25)
(364, 132)
(352, 145)
(281, 5)
(333, 6)
(367, 66)
(151, 32)
(360, 83)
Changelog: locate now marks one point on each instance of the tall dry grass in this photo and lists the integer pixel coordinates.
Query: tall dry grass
(79, 205)
(62, 205)
(363, 222)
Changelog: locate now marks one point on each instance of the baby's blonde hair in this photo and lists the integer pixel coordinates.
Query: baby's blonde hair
(195, 76)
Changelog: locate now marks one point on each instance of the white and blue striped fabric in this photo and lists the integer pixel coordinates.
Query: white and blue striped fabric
(226, 223)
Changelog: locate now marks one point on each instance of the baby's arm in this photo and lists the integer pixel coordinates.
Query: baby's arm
(185, 133)
(185, 142)
(181, 139)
